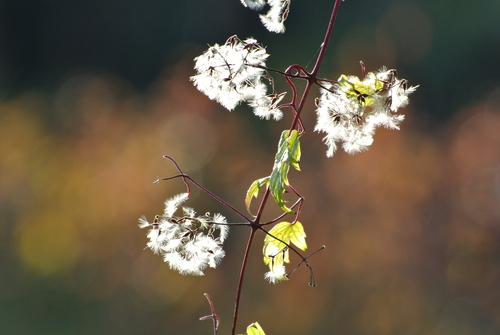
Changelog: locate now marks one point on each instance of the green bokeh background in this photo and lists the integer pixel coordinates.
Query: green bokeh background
(93, 93)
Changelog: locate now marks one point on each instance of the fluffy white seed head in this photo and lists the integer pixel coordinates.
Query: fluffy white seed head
(189, 243)
(254, 4)
(266, 107)
(234, 73)
(277, 274)
(350, 111)
(275, 18)
(231, 73)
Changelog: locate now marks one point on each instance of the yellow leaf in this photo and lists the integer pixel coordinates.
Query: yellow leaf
(253, 191)
(255, 329)
(276, 242)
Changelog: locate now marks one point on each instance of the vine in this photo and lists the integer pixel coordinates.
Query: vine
(348, 110)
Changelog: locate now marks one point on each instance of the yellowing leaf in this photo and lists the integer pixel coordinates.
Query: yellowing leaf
(360, 91)
(254, 189)
(255, 329)
(276, 242)
(298, 236)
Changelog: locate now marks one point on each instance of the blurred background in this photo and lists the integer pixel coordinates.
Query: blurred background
(94, 93)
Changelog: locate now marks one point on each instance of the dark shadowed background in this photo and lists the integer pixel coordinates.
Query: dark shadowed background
(93, 93)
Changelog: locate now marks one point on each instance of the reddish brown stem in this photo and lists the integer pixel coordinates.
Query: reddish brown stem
(311, 80)
(240, 280)
(215, 318)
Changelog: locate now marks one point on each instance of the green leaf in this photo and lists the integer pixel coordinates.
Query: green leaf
(254, 189)
(255, 329)
(275, 244)
(288, 154)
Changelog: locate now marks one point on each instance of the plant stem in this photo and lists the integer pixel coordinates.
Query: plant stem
(328, 33)
(313, 75)
(240, 280)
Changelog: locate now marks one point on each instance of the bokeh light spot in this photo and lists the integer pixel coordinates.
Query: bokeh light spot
(48, 243)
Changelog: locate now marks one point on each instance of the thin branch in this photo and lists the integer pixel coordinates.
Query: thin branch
(326, 80)
(286, 74)
(297, 119)
(281, 215)
(180, 171)
(327, 89)
(300, 202)
(312, 281)
(215, 318)
(185, 176)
